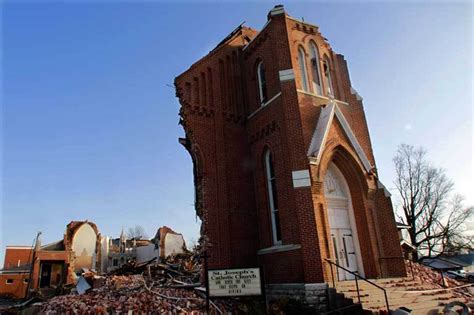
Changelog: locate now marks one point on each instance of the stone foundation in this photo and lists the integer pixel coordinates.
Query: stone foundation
(313, 294)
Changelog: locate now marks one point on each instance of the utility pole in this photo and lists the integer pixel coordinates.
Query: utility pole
(27, 293)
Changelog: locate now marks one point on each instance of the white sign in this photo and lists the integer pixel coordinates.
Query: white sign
(234, 282)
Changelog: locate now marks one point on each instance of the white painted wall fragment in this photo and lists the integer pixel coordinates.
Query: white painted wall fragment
(174, 244)
(147, 253)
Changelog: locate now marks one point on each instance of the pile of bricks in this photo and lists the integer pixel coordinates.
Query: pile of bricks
(168, 287)
(427, 275)
(127, 295)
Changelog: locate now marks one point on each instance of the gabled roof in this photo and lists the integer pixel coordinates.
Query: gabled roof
(321, 132)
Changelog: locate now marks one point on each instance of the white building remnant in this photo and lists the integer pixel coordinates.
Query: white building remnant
(169, 242)
(119, 251)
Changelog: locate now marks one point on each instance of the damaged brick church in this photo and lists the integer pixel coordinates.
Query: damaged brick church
(284, 170)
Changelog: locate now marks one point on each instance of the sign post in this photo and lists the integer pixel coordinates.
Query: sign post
(206, 276)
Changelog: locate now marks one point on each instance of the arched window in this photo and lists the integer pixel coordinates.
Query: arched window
(272, 198)
(327, 76)
(316, 74)
(262, 83)
(303, 72)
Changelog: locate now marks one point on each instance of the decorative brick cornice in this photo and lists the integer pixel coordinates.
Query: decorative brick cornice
(265, 131)
(202, 111)
(187, 108)
(235, 118)
(308, 29)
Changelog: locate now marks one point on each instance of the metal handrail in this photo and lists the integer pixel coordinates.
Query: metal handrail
(356, 274)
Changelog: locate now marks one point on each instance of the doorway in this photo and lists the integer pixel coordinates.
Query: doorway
(346, 250)
(51, 274)
(45, 279)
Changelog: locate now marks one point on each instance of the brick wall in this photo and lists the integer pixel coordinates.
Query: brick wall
(213, 116)
(13, 285)
(16, 256)
(228, 129)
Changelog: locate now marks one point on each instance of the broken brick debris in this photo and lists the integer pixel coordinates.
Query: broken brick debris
(427, 275)
(168, 287)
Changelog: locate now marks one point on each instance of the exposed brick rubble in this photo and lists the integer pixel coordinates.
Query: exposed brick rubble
(429, 276)
(421, 291)
(122, 294)
(167, 287)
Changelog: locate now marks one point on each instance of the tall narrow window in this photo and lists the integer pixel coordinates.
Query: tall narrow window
(262, 83)
(327, 76)
(304, 73)
(316, 74)
(273, 198)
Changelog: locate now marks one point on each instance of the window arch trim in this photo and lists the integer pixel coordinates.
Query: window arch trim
(328, 76)
(315, 68)
(303, 70)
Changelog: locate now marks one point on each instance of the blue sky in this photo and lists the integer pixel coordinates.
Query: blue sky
(90, 127)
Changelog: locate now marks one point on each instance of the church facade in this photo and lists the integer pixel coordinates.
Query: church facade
(284, 171)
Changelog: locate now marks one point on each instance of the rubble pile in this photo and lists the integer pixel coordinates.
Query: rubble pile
(427, 275)
(167, 287)
(431, 279)
(122, 294)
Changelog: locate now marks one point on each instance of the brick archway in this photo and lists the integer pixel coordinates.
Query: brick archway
(347, 162)
(344, 232)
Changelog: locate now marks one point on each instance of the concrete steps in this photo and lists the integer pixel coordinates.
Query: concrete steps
(373, 298)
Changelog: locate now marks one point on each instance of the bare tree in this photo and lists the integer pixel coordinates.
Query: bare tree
(137, 232)
(436, 219)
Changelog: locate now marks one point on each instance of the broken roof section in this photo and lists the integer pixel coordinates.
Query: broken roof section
(246, 33)
(230, 36)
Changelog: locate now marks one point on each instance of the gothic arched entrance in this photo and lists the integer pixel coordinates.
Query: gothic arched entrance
(346, 249)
